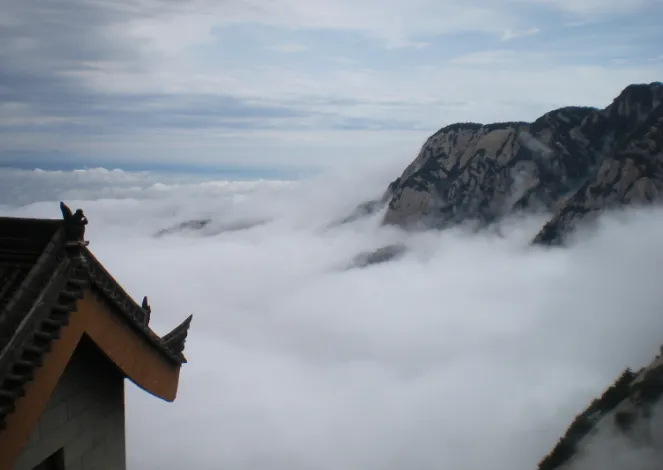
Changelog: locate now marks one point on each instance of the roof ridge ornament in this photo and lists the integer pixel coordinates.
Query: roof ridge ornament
(175, 340)
(74, 226)
(147, 309)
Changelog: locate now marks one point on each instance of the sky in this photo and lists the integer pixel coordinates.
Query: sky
(472, 351)
(285, 88)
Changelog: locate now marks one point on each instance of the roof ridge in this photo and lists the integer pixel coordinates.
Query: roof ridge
(68, 243)
(32, 286)
(120, 297)
(35, 335)
(138, 316)
(54, 268)
(31, 219)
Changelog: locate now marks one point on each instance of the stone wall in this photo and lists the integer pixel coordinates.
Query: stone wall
(84, 417)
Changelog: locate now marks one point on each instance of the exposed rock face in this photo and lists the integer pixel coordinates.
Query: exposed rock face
(381, 255)
(188, 225)
(209, 227)
(572, 161)
(632, 174)
(362, 210)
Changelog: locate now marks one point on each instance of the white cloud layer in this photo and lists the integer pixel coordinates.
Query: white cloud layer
(471, 352)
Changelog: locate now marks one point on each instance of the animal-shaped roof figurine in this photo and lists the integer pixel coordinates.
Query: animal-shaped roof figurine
(148, 310)
(74, 225)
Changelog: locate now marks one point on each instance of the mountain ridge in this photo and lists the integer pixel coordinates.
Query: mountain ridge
(484, 172)
(572, 163)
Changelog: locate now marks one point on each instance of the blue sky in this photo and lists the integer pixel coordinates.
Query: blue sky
(285, 85)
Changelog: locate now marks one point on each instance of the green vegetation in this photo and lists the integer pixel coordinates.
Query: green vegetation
(583, 423)
(650, 388)
(624, 420)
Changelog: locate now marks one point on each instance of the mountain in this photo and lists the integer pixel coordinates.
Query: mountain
(631, 174)
(572, 162)
(619, 430)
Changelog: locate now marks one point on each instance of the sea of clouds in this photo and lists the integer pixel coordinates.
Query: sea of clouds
(471, 352)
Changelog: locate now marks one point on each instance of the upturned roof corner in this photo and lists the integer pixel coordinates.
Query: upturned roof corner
(176, 339)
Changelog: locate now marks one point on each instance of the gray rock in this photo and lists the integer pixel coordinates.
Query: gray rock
(381, 255)
(364, 209)
(571, 161)
(198, 224)
(208, 227)
(631, 175)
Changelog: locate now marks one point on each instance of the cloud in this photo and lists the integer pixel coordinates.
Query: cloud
(499, 56)
(469, 352)
(288, 48)
(599, 7)
(408, 44)
(511, 34)
(111, 82)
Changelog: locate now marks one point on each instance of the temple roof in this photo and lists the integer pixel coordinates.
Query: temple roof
(45, 266)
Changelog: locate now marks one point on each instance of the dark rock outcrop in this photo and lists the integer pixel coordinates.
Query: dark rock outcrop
(364, 209)
(188, 225)
(381, 255)
(573, 161)
(632, 174)
(209, 227)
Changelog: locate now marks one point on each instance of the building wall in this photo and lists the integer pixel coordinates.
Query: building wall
(84, 417)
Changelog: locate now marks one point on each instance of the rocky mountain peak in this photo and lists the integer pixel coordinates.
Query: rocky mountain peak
(477, 172)
(573, 163)
(641, 98)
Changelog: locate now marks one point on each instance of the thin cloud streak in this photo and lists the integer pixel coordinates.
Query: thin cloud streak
(511, 34)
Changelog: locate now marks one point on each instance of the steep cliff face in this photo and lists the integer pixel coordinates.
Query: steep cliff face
(474, 172)
(632, 174)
